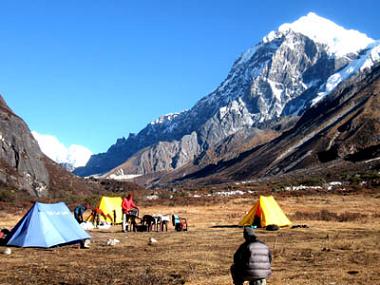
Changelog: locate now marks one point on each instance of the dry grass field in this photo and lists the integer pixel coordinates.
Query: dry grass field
(340, 246)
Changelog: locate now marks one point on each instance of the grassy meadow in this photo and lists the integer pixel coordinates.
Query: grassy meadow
(339, 246)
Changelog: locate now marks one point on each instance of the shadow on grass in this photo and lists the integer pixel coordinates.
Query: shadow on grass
(225, 226)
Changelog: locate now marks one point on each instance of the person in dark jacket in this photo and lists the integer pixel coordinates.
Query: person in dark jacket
(78, 212)
(252, 261)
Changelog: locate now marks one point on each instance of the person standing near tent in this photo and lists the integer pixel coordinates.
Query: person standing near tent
(252, 261)
(129, 209)
(78, 212)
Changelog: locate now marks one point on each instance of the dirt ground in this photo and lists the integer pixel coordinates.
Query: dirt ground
(340, 246)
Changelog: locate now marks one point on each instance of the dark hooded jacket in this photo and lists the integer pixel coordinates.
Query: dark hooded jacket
(253, 260)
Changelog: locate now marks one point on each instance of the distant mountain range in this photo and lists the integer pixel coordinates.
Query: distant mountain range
(291, 79)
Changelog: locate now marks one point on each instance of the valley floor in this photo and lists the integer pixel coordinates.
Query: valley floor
(341, 246)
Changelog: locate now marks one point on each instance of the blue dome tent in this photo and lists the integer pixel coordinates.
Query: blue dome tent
(46, 225)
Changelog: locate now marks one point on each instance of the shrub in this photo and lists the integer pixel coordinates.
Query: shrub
(7, 195)
(325, 215)
(313, 181)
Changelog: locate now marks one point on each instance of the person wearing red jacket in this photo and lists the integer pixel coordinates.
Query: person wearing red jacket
(130, 211)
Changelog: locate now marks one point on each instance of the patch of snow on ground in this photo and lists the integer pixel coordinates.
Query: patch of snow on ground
(229, 193)
(329, 186)
(335, 183)
(120, 175)
(302, 187)
(124, 177)
(152, 197)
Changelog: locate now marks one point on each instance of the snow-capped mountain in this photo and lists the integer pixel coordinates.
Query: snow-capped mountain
(268, 87)
(339, 41)
(70, 157)
(339, 135)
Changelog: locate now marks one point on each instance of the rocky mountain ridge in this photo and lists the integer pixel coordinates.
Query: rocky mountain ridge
(20, 156)
(268, 88)
(341, 131)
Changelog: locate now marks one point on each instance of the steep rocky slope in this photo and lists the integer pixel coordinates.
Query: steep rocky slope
(22, 164)
(342, 129)
(25, 168)
(268, 87)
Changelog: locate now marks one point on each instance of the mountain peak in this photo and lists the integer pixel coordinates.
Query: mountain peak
(339, 41)
(268, 88)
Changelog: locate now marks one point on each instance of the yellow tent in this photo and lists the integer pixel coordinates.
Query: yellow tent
(265, 212)
(111, 207)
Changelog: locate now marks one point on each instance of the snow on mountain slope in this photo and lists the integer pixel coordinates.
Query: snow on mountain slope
(74, 155)
(268, 86)
(165, 119)
(339, 41)
(365, 61)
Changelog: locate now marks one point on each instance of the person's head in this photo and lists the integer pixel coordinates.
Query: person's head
(129, 196)
(249, 234)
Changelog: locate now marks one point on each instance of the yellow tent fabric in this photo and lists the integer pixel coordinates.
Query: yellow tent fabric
(110, 204)
(269, 212)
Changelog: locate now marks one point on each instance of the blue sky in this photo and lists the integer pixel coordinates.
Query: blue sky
(90, 71)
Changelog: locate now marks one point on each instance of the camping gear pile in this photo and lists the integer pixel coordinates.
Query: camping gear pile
(3, 236)
(109, 212)
(180, 224)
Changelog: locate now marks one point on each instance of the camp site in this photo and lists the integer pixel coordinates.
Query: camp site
(330, 238)
(190, 142)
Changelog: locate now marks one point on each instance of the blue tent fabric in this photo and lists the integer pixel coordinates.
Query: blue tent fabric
(46, 225)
